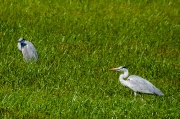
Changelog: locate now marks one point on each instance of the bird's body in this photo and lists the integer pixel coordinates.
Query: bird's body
(28, 50)
(136, 83)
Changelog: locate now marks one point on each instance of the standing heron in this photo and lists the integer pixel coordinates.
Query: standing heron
(28, 50)
(136, 83)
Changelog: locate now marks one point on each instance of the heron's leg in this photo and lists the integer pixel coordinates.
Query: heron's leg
(134, 93)
(142, 98)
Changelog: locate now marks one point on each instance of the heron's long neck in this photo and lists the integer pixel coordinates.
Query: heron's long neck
(122, 76)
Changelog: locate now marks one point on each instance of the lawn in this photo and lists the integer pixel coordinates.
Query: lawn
(77, 43)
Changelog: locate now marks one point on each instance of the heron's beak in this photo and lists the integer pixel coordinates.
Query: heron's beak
(114, 69)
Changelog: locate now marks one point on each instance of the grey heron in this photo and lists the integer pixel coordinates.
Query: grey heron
(136, 83)
(28, 50)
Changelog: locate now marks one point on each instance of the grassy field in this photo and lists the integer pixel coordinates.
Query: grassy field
(78, 42)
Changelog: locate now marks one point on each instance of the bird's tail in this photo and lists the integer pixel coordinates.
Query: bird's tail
(158, 92)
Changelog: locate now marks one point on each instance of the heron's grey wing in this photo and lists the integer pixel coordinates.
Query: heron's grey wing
(32, 48)
(139, 84)
(29, 52)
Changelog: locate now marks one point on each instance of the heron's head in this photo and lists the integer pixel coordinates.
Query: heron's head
(21, 40)
(121, 68)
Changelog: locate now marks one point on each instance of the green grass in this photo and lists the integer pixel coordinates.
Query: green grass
(78, 42)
